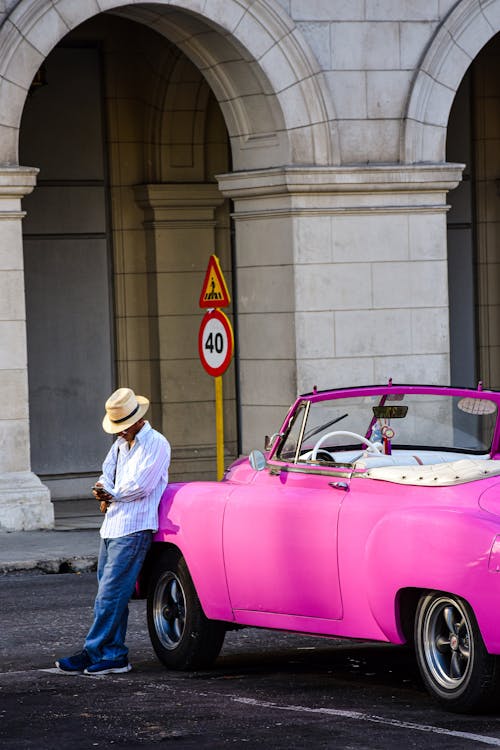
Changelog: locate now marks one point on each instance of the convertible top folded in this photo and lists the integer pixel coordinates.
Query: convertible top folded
(437, 475)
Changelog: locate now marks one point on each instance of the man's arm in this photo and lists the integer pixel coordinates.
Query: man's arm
(152, 463)
(107, 479)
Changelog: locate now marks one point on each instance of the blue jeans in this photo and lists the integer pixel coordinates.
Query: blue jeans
(120, 562)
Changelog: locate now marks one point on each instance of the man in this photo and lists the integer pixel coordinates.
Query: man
(134, 476)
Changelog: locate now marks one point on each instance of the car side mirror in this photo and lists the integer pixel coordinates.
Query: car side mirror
(257, 460)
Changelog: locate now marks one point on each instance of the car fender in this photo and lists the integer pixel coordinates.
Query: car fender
(441, 549)
(190, 517)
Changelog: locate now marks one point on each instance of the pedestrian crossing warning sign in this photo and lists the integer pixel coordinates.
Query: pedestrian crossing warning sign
(214, 292)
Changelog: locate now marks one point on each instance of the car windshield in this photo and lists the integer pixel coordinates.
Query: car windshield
(335, 428)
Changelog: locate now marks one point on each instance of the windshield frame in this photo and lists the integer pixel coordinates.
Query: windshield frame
(383, 392)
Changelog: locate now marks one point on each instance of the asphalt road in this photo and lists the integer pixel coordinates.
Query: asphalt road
(266, 690)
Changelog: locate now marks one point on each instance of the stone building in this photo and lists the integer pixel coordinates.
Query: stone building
(315, 146)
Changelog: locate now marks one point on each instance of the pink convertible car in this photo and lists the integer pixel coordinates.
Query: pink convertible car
(374, 513)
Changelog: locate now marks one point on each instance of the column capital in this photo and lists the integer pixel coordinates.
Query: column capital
(174, 202)
(390, 188)
(351, 179)
(16, 182)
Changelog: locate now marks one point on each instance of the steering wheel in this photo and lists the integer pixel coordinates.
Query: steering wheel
(325, 456)
(372, 447)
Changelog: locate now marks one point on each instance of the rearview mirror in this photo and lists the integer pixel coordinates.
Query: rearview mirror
(390, 411)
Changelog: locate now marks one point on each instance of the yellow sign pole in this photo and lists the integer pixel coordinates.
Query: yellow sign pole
(219, 427)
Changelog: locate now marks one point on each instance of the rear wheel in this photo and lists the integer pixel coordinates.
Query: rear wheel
(452, 658)
(182, 637)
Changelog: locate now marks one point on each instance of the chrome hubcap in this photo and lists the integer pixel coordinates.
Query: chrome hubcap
(446, 639)
(169, 610)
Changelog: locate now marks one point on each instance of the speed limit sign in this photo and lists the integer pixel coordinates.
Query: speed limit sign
(215, 342)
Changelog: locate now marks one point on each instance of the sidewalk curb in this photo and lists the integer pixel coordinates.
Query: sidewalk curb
(60, 565)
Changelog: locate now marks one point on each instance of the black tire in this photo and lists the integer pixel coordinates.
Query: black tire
(456, 668)
(182, 637)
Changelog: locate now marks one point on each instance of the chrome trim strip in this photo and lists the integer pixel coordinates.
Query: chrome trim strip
(344, 471)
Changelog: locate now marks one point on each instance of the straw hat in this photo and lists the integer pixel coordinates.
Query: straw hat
(123, 409)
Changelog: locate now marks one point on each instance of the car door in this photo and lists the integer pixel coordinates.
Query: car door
(280, 542)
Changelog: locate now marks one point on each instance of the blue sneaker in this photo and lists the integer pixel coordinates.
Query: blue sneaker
(108, 666)
(76, 663)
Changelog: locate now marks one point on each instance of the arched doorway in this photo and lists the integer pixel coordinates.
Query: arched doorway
(473, 223)
(118, 231)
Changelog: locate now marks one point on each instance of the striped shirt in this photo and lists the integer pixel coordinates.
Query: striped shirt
(136, 477)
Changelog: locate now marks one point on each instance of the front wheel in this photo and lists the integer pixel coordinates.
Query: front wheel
(181, 634)
(452, 658)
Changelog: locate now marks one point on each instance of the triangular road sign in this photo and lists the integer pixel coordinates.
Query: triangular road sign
(214, 292)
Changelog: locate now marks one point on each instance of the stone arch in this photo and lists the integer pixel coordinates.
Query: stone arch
(463, 33)
(177, 129)
(264, 76)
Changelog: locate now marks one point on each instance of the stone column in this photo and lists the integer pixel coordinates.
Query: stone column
(185, 223)
(342, 280)
(24, 500)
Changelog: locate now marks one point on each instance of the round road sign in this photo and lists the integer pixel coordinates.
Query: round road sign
(215, 342)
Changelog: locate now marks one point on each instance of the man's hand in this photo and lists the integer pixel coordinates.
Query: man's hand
(104, 497)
